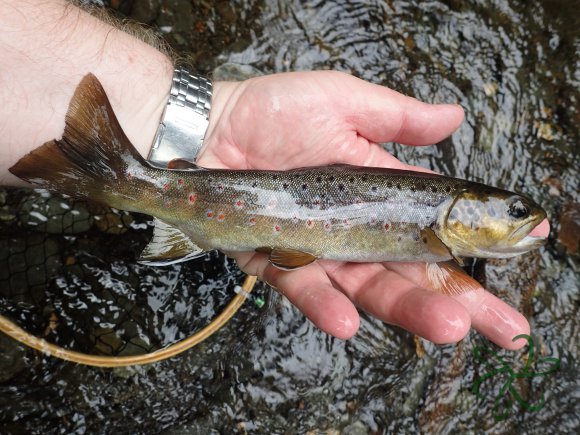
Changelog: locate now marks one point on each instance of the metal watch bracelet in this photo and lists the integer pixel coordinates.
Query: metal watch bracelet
(184, 120)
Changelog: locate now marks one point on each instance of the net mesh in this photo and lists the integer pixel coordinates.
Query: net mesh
(68, 274)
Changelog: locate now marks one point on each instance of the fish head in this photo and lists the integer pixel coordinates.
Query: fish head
(491, 223)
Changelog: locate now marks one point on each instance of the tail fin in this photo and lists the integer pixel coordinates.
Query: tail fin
(93, 157)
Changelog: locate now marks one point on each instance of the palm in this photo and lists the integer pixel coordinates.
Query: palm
(307, 119)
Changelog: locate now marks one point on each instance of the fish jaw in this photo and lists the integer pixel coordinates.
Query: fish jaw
(535, 238)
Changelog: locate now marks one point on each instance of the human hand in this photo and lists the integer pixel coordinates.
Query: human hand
(302, 119)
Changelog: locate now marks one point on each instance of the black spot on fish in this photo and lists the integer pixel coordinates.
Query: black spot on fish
(319, 179)
(374, 188)
(448, 189)
(285, 185)
(398, 186)
(421, 186)
(351, 179)
(413, 188)
(364, 178)
(341, 187)
(255, 184)
(433, 189)
(399, 239)
(323, 195)
(304, 186)
(389, 184)
(424, 240)
(274, 177)
(331, 178)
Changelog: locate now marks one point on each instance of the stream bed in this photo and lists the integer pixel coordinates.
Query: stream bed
(514, 67)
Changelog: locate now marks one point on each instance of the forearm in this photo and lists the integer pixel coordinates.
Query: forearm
(47, 47)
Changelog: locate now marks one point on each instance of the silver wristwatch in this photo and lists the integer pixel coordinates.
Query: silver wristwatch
(184, 121)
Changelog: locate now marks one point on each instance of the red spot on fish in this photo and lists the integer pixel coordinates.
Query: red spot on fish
(192, 198)
(309, 223)
(221, 217)
(166, 186)
(252, 221)
(180, 182)
(387, 226)
(277, 228)
(239, 203)
(220, 187)
(327, 225)
(129, 175)
(209, 214)
(346, 222)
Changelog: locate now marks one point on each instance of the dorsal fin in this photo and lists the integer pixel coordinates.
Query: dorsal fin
(168, 246)
(181, 164)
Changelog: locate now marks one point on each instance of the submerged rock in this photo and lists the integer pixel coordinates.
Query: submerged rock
(42, 212)
(569, 232)
(12, 358)
(109, 220)
(235, 72)
(29, 264)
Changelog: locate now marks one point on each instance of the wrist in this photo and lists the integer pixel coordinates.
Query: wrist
(46, 51)
(224, 98)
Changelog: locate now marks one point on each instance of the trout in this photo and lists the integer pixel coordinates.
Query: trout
(337, 212)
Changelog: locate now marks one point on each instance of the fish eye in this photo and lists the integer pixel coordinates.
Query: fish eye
(518, 210)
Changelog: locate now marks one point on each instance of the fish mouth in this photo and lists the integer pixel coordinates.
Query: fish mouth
(526, 241)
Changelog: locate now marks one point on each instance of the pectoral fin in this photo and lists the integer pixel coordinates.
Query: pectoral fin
(436, 246)
(168, 246)
(450, 279)
(287, 259)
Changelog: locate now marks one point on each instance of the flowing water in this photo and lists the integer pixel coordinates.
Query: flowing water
(514, 67)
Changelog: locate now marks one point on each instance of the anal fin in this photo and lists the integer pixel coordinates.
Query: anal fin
(168, 246)
(449, 279)
(287, 259)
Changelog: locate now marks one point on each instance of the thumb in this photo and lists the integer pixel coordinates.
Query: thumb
(380, 114)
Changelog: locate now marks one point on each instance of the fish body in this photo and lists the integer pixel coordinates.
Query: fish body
(337, 212)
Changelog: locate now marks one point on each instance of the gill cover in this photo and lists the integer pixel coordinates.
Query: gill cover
(490, 223)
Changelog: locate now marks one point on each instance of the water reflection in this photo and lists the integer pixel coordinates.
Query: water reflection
(514, 68)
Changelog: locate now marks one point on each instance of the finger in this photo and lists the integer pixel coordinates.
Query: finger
(378, 157)
(495, 319)
(398, 301)
(310, 290)
(381, 114)
(490, 316)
